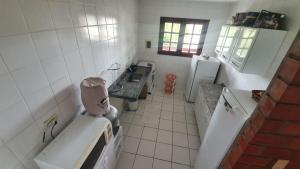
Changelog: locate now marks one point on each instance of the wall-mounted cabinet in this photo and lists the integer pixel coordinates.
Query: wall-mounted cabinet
(249, 50)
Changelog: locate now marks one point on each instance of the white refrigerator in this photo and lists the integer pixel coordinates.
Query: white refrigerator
(201, 69)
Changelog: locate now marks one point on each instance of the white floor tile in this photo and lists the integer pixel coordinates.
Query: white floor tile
(126, 161)
(190, 118)
(163, 151)
(180, 139)
(180, 117)
(131, 145)
(126, 117)
(181, 155)
(179, 166)
(146, 148)
(179, 127)
(194, 142)
(152, 122)
(193, 155)
(149, 134)
(142, 162)
(179, 109)
(135, 131)
(165, 124)
(160, 164)
(164, 136)
(138, 120)
(192, 129)
(166, 115)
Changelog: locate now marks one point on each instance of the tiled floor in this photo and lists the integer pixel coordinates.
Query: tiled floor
(161, 134)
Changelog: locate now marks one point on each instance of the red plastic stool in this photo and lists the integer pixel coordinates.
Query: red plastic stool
(170, 83)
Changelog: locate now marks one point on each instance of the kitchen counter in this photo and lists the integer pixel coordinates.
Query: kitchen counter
(128, 87)
(211, 93)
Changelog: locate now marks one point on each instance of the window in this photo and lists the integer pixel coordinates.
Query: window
(181, 37)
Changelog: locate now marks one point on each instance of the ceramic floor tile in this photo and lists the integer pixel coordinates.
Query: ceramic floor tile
(135, 131)
(125, 161)
(190, 118)
(192, 129)
(127, 118)
(180, 139)
(180, 117)
(181, 155)
(163, 151)
(138, 120)
(125, 127)
(193, 155)
(152, 122)
(194, 142)
(146, 148)
(165, 124)
(160, 164)
(149, 134)
(164, 136)
(167, 107)
(179, 109)
(131, 144)
(179, 166)
(166, 115)
(142, 162)
(179, 127)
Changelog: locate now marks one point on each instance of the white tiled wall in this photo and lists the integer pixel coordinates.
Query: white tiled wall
(149, 20)
(46, 48)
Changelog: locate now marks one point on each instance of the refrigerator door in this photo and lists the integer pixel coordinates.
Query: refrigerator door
(191, 76)
(224, 126)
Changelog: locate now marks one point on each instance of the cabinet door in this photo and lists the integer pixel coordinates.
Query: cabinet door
(243, 46)
(230, 40)
(221, 39)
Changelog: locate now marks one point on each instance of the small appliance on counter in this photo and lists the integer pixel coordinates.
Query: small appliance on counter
(94, 96)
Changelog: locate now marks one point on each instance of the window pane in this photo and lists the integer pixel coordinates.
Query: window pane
(167, 37)
(198, 29)
(223, 30)
(166, 46)
(228, 42)
(248, 43)
(173, 47)
(175, 37)
(242, 43)
(189, 28)
(220, 41)
(185, 48)
(244, 53)
(195, 39)
(193, 48)
(168, 27)
(176, 27)
(187, 38)
(232, 31)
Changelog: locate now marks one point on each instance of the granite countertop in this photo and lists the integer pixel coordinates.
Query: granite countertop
(124, 88)
(211, 94)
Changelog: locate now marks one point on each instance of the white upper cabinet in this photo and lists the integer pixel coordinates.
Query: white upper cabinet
(249, 50)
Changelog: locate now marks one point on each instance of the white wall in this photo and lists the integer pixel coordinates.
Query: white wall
(149, 19)
(46, 48)
(233, 78)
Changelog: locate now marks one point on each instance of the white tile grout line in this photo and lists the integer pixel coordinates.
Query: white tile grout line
(140, 138)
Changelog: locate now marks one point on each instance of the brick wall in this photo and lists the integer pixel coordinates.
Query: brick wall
(273, 131)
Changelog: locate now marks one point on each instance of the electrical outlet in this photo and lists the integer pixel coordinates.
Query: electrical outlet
(50, 121)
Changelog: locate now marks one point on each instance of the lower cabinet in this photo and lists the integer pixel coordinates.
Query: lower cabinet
(202, 113)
